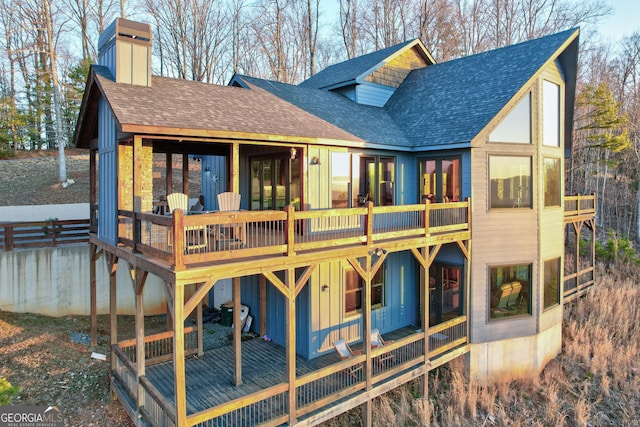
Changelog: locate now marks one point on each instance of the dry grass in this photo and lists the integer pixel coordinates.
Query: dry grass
(594, 382)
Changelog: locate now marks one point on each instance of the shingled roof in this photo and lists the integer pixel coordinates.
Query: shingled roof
(451, 102)
(182, 107)
(372, 124)
(348, 71)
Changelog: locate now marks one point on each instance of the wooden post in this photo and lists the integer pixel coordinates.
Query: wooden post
(427, 212)
(180, 387)
(113, 310)
(185, 173)
(93, 193)
(92, 288)
(237, 333)
(200, 331)
(290, 230)
(366, 336)
(263, 305)
(234, 168)
(368, 226)
(8, 237)
(168, 179)
(140, 349)
(178, 240)
(427, 303)
(290, 282)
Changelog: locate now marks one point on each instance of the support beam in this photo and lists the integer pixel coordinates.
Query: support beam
(93, 291)
(237, 333)
(263, 306)
(290, 280)
(185, 173)
(180, 387)
(234, 168)
(202, 290)
(366, 336)
(304, 278)
(168, 178)
(140, 347)
(200, 330)
(425, 322)
(112, 261)
(275, 281)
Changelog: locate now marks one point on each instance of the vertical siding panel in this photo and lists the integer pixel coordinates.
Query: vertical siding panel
(108, 171)
(216, 182)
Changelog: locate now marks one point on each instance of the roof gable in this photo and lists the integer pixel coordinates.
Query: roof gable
(451, 102)
(359, 68)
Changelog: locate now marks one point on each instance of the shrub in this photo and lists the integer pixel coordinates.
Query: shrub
(7, 391)
(617, 249)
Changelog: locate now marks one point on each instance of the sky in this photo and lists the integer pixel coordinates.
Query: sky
(624, 20)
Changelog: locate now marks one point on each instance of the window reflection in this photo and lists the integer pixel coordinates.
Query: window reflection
(510, 181)
(551, 114)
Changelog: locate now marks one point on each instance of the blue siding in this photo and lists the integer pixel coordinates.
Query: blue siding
(371, 94)
(108, 175)
(276, 312)
(214, 181)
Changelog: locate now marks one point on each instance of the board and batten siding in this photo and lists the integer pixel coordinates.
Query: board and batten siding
(328, 321)
(215, 181)
(108, 175)
(276, 312)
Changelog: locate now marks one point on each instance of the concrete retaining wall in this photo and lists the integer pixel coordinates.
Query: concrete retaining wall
(44, 212)
(55, 282)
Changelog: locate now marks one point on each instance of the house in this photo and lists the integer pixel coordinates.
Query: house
(362, 190)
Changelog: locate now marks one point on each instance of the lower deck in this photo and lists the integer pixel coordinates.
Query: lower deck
(262, 397)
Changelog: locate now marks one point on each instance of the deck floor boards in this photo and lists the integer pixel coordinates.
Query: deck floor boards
(209, 378)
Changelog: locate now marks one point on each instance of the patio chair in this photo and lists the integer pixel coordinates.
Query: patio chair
(345, 353)
(232, 235)
(376, 342)
(195, 237)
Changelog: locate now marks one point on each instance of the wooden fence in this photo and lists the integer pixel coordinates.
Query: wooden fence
(43, 234)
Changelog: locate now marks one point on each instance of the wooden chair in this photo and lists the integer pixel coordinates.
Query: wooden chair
(376, 342)
(230, 236)
(345, 353)
(229, 201)
(195, 237)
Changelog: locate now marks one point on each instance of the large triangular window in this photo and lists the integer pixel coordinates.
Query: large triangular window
(516, 127)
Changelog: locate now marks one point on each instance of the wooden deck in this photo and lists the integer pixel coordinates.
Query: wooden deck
(213, 399)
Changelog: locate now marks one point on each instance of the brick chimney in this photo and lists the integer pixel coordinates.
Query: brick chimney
(125, 48)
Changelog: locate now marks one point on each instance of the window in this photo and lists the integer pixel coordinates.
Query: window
(340, 180)
(510, 181)
(509, 291)
(275, 182)
(354, 286)
(356, 180)
(551, 182)
(445, 292)
(440, 179)
(551, 283)
(516, 127)
(551, 114)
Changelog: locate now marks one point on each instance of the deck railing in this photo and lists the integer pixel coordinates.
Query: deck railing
(575, 206)
(158, 347)
(224, 235)
(576, 283)
(40, 234)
